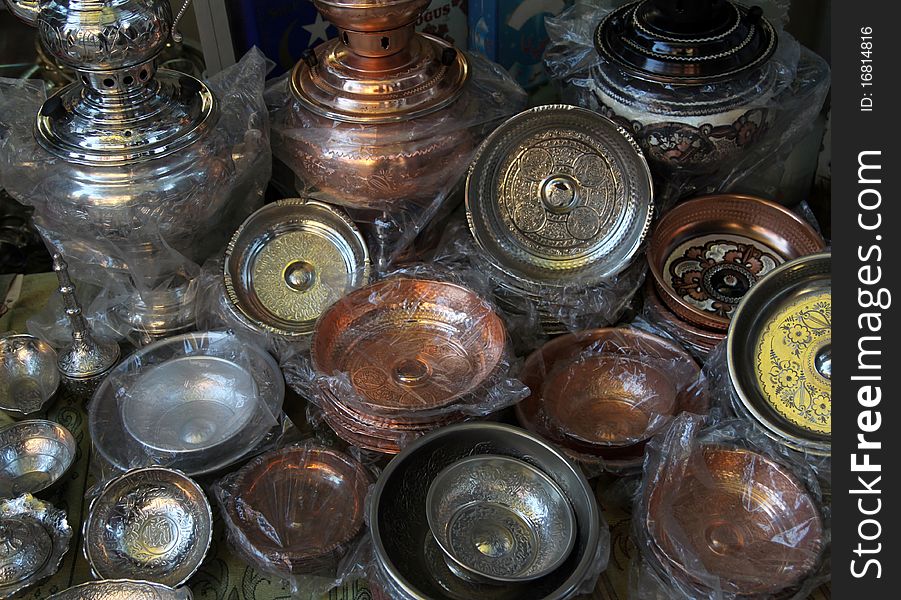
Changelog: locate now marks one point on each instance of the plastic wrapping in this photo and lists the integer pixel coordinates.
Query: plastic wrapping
(197, 403)
(297, 512)
(140, 232)
(701, 138)
(724, 513)
(405, 355)
(601, 394)
(393, 178)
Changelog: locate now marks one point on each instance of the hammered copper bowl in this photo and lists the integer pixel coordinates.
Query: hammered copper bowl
(28, 374)
(408, 345)
(669, 366)
(739, 517)
(34, 455)
(150, 524)
(705, 254)
(299, 506)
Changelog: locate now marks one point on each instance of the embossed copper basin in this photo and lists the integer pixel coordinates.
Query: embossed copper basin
(409, 345)
(298, 506)
(706, 253)
(737, 516)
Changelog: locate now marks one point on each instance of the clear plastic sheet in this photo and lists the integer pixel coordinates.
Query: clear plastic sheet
(298, 512)
(601, 394)
(198, 403)
(405, 355)
(141, 232)
(724, 513)
(743, 127)
(393, 178)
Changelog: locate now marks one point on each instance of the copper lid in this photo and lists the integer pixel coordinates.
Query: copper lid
(291, 260)
(779, 352)
(557, 193)
(378, 70)
(687, 41)
(705, 254)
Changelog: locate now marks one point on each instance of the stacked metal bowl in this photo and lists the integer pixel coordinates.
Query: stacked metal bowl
(484, 510)
(559, 200)
(404, 356)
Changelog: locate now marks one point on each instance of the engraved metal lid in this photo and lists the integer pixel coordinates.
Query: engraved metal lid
(779, 352)
(122, 589)
(34, 537)
(557, 193)
(378, 70)
(687, 41)
(150, 524)
(291, 260)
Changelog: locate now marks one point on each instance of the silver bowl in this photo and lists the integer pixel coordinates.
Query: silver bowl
(34, 537)
(28, 374)
(400, 530)
(500, 518)
(150, 524)
(122, 589)
(33, 456)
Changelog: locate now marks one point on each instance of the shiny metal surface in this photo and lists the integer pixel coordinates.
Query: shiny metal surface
(500, 518)
(34, 455)
(707, 253)
(738, 516)
(34, 537)
(28, 374)
(559, 193)
(400, 530)
(779, 335)
(291, 260)
(122, 589)
(85, 361)
(150, 524)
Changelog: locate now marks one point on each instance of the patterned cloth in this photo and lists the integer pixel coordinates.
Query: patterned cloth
(223, 576)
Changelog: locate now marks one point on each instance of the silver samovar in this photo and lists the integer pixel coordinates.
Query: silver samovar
(137, 174)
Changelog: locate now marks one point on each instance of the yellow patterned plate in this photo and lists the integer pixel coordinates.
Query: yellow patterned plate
(291, 260)
(780, 354)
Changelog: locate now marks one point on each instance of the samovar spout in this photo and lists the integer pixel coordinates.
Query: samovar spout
(27, 10)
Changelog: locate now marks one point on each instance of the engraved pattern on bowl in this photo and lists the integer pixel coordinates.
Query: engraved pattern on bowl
(150, 524)
(122, 589)
(33, 456)
(28, 374)
(501, 518)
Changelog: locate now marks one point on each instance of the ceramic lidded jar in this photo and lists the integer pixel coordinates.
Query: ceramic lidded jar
(688, 78)
(131, 170)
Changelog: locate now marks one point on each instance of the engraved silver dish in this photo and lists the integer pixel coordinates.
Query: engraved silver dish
(34, 537)
(34, 455)
(150, 524)
(411, 567)
(28, 374)
(122, 589)
(500, 518)
(196, 403)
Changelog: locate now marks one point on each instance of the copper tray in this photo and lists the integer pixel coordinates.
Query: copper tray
(409, 345)
(746, 519)
(327, 491)
(705, 254)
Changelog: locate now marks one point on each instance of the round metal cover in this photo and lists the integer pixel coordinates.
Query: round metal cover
(779, 351)
(291, 260)
(34, 536)
(558, 194)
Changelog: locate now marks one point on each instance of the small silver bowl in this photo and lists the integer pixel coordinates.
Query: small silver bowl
(500, 519)
(122, 589)
(150, 524)
(28, 374)
(33, 456)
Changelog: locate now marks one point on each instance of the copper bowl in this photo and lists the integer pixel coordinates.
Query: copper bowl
(408, 345)
(702, 341)
(299, 506)
(667, 363)
(705, 254)
(377, 16)
(738, 516)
